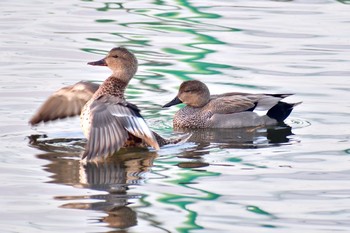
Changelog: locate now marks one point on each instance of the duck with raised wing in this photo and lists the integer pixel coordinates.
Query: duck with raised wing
(229, 110)
(107, 119)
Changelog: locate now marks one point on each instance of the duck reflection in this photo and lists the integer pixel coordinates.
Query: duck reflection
(241, 138)
(114, 176)
(252, 137)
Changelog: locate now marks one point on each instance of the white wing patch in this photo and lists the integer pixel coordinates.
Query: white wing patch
(138, 127)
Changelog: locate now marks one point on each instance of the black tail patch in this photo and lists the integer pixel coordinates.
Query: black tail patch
(280, 111)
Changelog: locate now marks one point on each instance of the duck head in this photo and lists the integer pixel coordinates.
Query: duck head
(120, 60)
(192, 93)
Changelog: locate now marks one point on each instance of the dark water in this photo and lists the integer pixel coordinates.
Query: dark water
(289, 178)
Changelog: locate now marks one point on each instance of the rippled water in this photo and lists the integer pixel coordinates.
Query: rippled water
(289, 178)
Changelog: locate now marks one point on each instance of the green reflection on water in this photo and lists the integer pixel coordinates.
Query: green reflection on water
(111, 6)
(105, 20)
(257, 210)
(203, 68)
(195, 10)
(344, 1)
(166, 22)
(193, 57)
(239, 160)
(185, 180)
(234, 160)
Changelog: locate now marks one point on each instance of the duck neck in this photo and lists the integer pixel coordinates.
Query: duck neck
(113, 86)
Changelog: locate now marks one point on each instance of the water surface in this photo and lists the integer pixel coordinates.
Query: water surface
(288, 178)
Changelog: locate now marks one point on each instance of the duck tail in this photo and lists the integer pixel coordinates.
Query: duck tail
(281, 110)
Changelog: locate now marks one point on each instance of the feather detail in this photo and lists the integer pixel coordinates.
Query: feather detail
(112, 121)
(66, 102)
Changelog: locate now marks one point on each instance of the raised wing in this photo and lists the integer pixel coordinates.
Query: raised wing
(112, 120)
(66, 102)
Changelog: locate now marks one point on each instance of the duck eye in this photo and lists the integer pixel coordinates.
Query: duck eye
(187, 91)
(115, 56)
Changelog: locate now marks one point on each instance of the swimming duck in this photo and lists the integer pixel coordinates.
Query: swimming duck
(229, 110)
(107, 119)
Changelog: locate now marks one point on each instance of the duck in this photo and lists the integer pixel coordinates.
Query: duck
(228, 110)
(108, 121)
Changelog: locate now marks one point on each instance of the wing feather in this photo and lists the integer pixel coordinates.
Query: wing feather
(134, 123)
(231, 104)
(236, 102)
(112, 121)
(66, 102)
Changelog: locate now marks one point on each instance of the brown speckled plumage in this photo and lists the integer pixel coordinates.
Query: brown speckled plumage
(112, 86)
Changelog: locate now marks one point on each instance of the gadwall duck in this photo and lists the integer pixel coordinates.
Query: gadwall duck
(229, 110)
(107, 119)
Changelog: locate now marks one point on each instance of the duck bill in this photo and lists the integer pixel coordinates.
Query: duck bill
(101, 62)
(175, 101)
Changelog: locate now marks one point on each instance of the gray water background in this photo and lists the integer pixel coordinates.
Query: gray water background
(275, 180)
